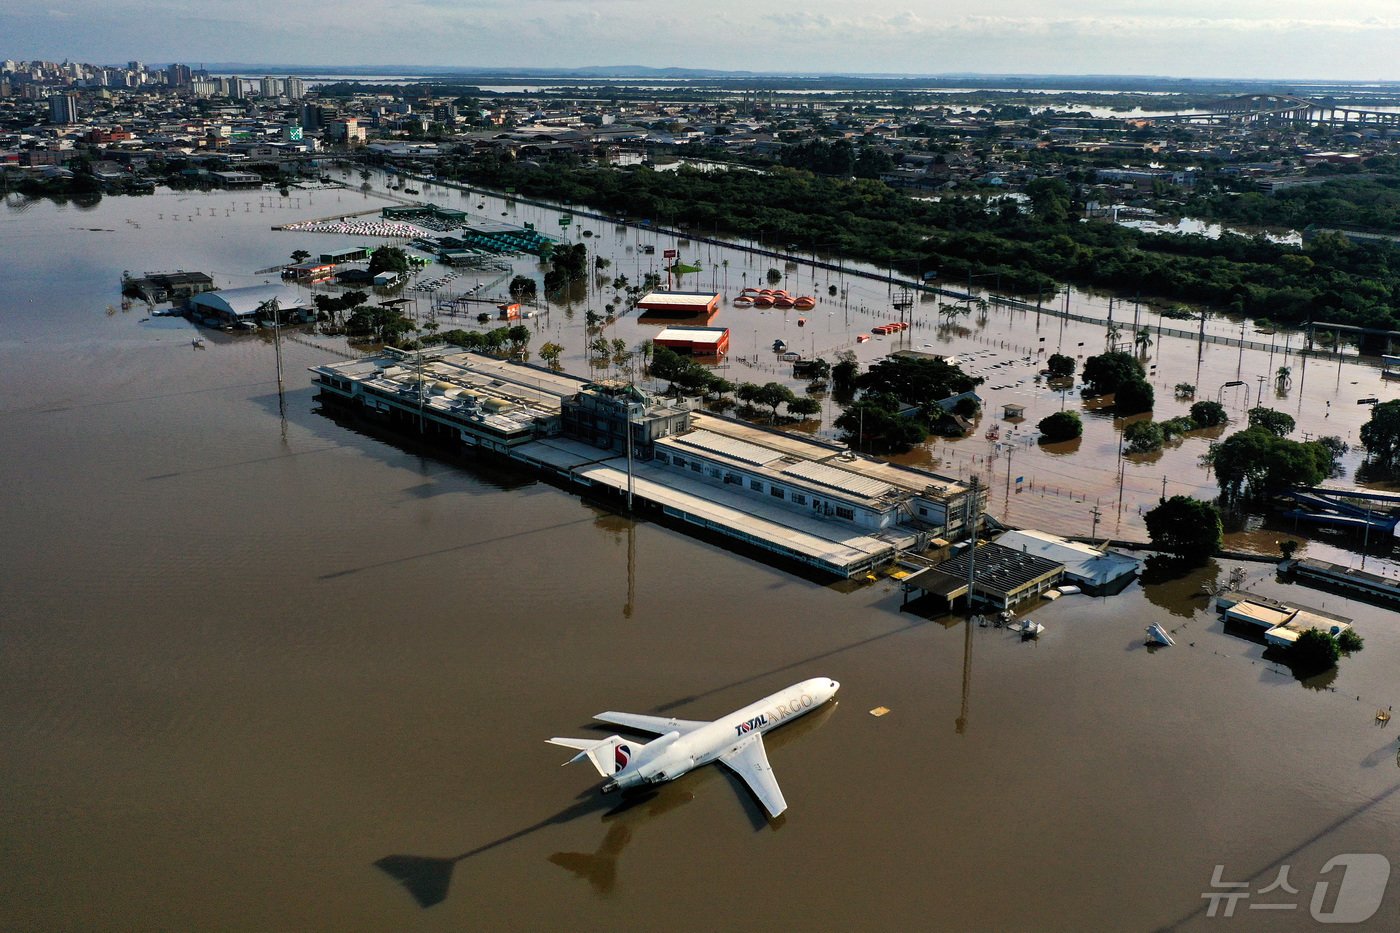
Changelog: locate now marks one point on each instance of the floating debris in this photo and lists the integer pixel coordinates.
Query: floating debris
(879, 711)
(1159, 635)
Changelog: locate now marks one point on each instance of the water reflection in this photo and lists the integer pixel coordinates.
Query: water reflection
(599, 867)
(1177, 586)
(427, 879)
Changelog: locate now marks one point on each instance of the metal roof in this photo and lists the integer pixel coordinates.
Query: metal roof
(729, 447)
(1001, 570)
(678, 299)
(839, 479)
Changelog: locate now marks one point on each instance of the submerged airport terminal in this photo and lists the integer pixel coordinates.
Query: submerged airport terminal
(792, 497)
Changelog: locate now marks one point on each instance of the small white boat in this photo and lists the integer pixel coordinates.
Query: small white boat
(1158, 635)
(1069, 590)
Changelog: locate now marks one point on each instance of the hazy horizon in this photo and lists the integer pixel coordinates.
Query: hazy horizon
(1191, 40)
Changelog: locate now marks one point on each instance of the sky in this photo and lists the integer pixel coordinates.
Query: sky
(1290, 39)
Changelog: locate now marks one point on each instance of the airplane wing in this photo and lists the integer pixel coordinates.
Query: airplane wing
(749, 760)
(657, 724)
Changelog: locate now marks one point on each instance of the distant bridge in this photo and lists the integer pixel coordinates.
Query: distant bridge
(1284, 109)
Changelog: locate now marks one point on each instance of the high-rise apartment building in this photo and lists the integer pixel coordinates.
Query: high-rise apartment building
(63, 108)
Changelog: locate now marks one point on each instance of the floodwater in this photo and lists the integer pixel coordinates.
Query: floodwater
(264, 672)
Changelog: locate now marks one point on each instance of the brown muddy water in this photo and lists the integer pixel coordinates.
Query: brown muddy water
(267, 673)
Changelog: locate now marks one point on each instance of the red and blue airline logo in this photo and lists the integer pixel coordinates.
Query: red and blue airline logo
(752, 724)
(621, 755)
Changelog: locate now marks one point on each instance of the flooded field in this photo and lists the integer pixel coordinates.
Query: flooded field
(261, 671)
(1061, 486)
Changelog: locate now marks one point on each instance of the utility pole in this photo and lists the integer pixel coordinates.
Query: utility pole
(974, 513)
(630, 479)
(1094, 534)
(1010, 449)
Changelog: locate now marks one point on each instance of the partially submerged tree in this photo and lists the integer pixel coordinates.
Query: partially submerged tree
(1381, 434)
(1275, 422)
(1103, 374)
(1060, 366)
(1061, 426)
(1205, 414)
(1142, 437)
(1187, 527)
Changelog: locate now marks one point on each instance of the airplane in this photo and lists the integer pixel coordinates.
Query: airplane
(735, 741)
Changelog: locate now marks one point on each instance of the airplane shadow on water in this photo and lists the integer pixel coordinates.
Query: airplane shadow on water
(427, 878)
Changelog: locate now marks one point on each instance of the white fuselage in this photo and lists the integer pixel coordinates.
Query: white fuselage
(673, 754)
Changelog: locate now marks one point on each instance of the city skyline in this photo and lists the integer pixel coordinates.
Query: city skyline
(1251, 40)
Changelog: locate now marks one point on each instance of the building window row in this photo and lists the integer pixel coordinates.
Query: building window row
(757, 485)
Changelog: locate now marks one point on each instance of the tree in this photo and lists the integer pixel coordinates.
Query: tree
(1133, 397)
(774, 394)
(1186, 527)
(1103, 374)
(1142, 437)
(1381, 434)
(1205, 414)
(1050, 200)
(523, 288)
(1255, 463)
(300, 255)
(1336, 449)
(551, 352)
(1275, 422)
(1060, 366)
(1283, 378)
(917, 381)
(872, 424)
(804, 407)
(518, 337)
(1313, 652)
(1349, 641)
(388, 259)
(666, 363)
(1143, 339)
(843, 377)
(1061, 426)
(774, 276)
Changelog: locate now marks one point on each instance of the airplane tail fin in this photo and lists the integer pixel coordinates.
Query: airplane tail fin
(608, 755)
